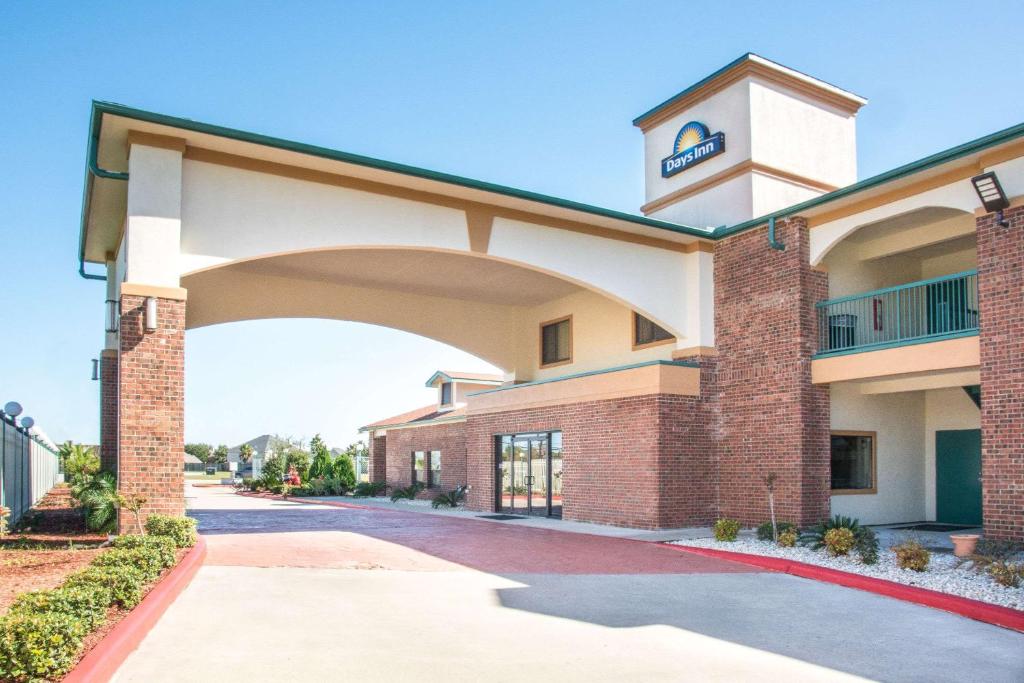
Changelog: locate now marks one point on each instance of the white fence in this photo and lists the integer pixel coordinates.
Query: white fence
(28, 468)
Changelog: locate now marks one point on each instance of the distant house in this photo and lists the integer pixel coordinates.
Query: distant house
(193, 464)
(262, 447)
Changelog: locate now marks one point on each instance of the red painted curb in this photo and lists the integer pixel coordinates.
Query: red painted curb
(106, 658)
(972, 609)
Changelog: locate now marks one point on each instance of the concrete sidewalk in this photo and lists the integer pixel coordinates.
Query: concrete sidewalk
(297, 592)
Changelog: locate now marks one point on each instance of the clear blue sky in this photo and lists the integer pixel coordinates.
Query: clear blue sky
(533, 95)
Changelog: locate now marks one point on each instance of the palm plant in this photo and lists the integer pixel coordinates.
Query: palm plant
(407, 493)
(866, 542)
(450, 499)
(245, 453)
(99, 498)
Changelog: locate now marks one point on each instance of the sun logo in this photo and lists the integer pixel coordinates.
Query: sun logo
(689, 135)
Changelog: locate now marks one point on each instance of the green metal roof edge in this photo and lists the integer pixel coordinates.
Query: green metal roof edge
(927, 162)
(100, 107)
(731, 65)
(413, 423)
(589, 373)
(456, 378)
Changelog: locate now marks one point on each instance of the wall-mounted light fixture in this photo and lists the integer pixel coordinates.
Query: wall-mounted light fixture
(112, 316)
(95, 369)
(151, 319)
(992, 196)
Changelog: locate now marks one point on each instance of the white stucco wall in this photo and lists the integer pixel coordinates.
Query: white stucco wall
(944, 409)
(899, 420)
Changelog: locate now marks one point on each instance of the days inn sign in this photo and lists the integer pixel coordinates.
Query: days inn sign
(694, 144)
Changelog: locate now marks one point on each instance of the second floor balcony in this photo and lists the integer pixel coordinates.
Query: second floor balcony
(928, 310)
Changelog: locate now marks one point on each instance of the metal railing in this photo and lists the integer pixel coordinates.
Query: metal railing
(945, 306)
(29, 468)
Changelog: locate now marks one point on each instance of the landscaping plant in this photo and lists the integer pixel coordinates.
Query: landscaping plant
(726, 530)
(366, 489)
(88, 603)
(787, 537)
(345, 471)
(163, 546)
(97, 494)
(5, 514)
(1008, 574)
(125, 583)
(181, 530)
(912, 555)
(764, 530)
(407, 493)
(839, 541)
(133, 503)
(450, 499)
(38, 646)
(865, 541)
(769, 482)
(321, 465)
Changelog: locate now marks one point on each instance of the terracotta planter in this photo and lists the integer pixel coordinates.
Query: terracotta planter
(963, 544)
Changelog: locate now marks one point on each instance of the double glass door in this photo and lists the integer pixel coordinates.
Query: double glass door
(529, 475)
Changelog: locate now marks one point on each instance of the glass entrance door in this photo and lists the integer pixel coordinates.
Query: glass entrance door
(524, 474)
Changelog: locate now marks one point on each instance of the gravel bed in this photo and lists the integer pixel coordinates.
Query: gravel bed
(942, 573)
(413, 503)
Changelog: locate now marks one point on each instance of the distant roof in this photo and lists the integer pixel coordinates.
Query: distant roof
(192, 460)
(418, 416)
(453, 375)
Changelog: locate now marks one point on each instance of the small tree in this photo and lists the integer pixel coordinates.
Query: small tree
(321, 466)
(344, 471)
(134, 504)
(769, 482)
(298, 459)
(79, 462)
(220, 455)
(245, 453)
(199, 450)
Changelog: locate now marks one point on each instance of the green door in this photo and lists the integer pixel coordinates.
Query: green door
(958, 476)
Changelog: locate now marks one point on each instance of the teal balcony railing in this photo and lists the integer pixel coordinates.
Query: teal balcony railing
(918, 311)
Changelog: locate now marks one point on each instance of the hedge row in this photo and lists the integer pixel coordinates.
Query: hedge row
(42, 634)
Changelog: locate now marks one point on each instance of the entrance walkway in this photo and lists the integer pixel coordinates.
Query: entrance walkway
(301, 592)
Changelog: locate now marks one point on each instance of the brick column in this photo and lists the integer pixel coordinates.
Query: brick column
(1001, 303)
(151, 419)
(108, 410)
(770, 417)
(378, 458)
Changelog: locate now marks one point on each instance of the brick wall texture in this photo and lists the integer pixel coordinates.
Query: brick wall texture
(151, 419)
(1001, 302)
(108, 410)
(378, 458)
(449, 438)
(770, 418)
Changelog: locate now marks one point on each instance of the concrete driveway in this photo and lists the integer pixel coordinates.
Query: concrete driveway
(297, 592)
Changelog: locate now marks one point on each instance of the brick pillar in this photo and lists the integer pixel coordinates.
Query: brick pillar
(378, 458)
(1001, 303)
(108, 410)
(151, 417)
(770, 417)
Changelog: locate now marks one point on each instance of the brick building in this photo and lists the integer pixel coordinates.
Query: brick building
(768, 313)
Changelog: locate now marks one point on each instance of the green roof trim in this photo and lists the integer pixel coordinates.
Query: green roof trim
(590, 373)
(927, 162)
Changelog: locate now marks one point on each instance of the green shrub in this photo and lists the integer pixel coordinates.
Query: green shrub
(125, 583)
(912, 555)
(764, 531)
(726, 529)
(450, 499)
(787, 538)
(163, 546)
(88, 603)
(865, 541)
(97, 494)
(839, 541)
(1006, 574)
(38, 645)
(146, 561)
(345, 471)
(407, 493)
(366, 489)
(181, 530)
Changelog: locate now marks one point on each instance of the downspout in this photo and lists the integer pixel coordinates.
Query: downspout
(95, 170)
(772, 242)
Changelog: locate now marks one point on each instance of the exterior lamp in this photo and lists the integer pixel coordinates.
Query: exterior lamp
(151, 319)
(112, 316)
(992, 196)
(95, 369)
(27, 423)
(13, 408)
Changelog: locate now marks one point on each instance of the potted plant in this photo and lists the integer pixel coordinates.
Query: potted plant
(964, 544)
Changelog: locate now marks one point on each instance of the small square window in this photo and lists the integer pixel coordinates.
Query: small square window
(446, 394)
(556, 342)
(647, 332)
(854, 462)
(435, 468)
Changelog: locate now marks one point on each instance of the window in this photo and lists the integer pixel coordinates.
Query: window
(435, 468)
(419, 473)
(446, 394)
(853, 462)
(648, 333)
(556, 342)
